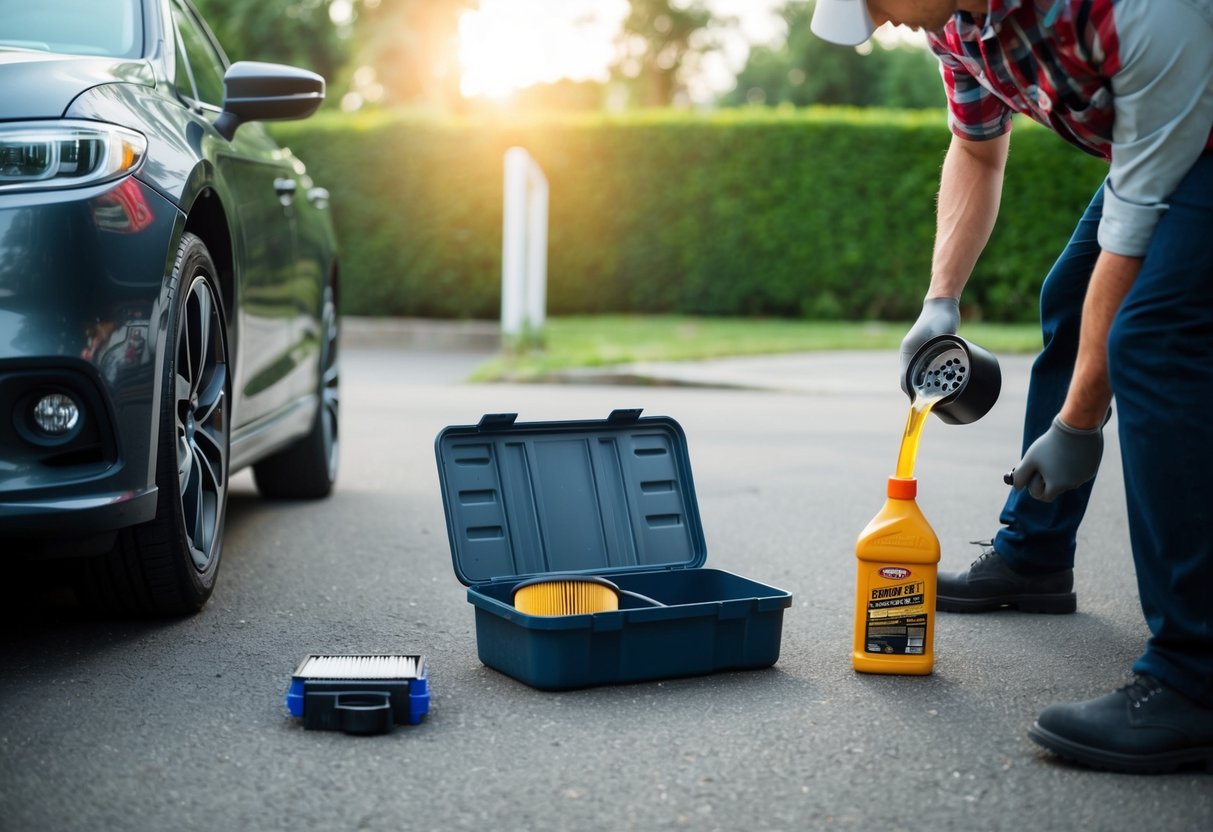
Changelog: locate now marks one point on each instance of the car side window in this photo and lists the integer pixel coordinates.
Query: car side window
(184, 82)
(206, 67)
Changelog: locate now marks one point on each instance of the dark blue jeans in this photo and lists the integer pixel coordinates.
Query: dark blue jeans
(1160, 355)
(1037, 536)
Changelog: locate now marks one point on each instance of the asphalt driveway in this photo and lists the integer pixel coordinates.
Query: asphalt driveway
(171, 725)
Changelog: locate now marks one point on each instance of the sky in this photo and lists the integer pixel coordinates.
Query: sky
(509, 44)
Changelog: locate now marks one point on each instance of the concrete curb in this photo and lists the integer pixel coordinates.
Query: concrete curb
(421, 333)
(796, 373)
(804, 373)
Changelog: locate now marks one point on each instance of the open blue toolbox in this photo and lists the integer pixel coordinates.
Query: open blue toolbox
(611, 498)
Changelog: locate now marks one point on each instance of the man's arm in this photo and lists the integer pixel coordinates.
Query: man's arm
(970, 190)
(1163, 96)
(1162, 93)
(1090, 393)
(1068, 453)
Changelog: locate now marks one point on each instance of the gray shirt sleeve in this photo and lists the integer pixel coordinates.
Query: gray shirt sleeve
(1163, 99)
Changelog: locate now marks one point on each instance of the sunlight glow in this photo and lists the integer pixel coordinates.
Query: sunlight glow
(341, 12)
(506, 45)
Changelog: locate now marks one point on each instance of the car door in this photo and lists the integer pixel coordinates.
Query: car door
(314, 246)
(259, 186)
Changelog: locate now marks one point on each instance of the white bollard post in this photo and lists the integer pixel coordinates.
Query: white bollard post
(513, 245)
(523, 250)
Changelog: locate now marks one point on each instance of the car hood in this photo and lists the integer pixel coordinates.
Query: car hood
(38, 85)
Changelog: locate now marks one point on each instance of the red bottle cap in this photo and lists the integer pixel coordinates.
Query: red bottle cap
(903, 489)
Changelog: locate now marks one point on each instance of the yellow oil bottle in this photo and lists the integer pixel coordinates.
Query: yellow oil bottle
(898, 556)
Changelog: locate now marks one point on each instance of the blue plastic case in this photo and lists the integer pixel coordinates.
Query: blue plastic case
(368, 696)
(612, 498)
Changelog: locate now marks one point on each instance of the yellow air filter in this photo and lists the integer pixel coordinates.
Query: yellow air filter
(566, 596)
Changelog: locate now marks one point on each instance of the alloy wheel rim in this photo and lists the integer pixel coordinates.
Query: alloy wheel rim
(201, 376)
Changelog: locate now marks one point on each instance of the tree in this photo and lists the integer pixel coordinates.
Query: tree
(297, 32)
(393, 51)
(661, 44)
(412, 46)
(909, 78)
(806, 70)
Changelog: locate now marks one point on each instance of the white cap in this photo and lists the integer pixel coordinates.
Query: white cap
(845, 22)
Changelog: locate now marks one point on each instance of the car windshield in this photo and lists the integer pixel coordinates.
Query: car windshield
(74, 27)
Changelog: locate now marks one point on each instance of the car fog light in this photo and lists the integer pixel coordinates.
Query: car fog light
(56, 414)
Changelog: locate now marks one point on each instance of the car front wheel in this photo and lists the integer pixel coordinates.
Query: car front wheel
(169, 564)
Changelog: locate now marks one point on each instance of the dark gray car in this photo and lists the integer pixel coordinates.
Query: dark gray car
(168, 296)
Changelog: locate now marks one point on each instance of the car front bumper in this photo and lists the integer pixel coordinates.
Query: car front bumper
(83, 308)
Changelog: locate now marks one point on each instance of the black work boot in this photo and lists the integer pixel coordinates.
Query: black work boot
(1143, 727)
(989, 584)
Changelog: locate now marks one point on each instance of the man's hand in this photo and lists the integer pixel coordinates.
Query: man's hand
(1061, 459)
(939, 316)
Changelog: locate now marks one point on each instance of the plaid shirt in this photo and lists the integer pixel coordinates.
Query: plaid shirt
(1055, 61)
(1039, 62)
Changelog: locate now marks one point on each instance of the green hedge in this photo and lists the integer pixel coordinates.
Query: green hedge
(820, 213)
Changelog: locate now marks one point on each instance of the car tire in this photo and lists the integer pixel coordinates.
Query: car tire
(168, 565)
(307, 469)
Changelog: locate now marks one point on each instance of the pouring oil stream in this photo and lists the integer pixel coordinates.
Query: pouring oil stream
(919, 410)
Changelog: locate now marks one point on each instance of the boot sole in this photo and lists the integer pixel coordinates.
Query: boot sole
(1156, 763)
(1051, 603)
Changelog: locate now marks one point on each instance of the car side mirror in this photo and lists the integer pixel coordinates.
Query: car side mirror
(257, 91)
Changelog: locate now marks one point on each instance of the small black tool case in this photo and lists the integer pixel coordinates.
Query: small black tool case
(610, 498)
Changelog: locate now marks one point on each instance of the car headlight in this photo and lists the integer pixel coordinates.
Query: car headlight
(66, 154)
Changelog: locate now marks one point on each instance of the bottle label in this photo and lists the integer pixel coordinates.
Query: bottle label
(897, 619)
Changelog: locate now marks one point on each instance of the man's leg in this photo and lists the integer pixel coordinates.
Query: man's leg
(1160, 354)
(1039, 537)
(1161, 367)
(1030, 564)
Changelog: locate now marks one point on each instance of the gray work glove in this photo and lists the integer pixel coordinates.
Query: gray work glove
(1061, 459)
(939, 316)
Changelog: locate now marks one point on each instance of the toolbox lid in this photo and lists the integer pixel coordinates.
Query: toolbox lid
(596, 496)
